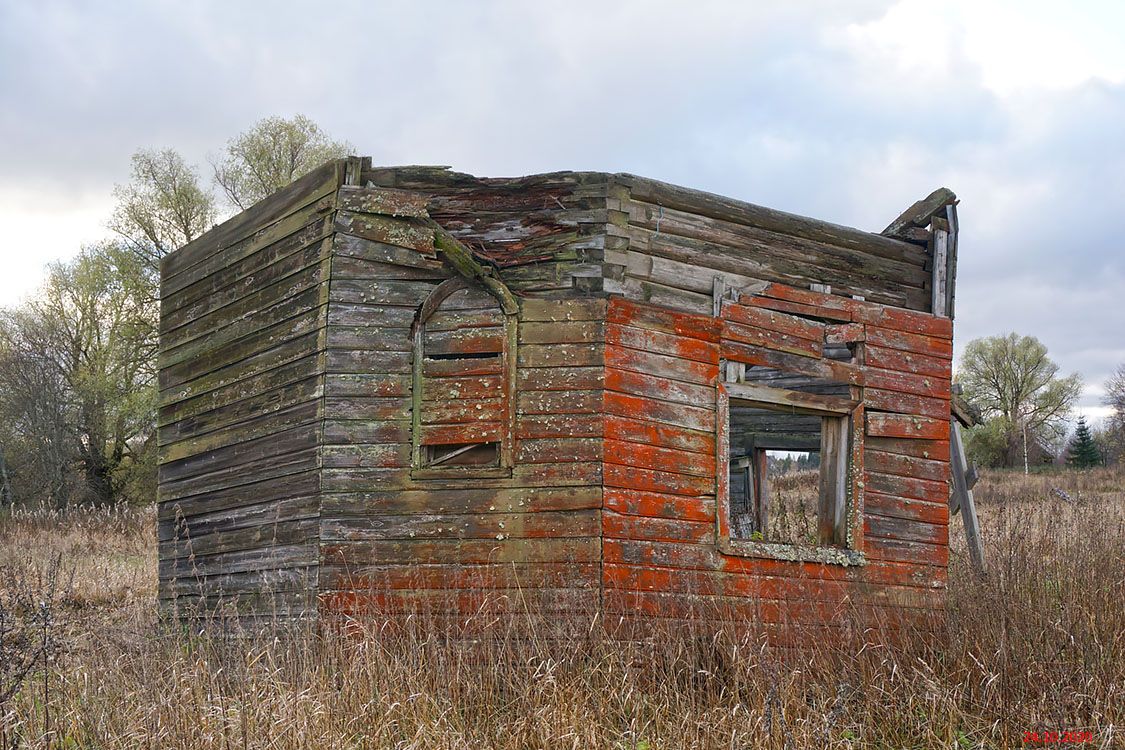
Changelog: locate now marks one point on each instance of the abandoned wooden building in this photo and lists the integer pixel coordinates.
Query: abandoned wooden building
(408, 389)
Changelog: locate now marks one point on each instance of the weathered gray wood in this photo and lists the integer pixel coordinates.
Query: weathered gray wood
(303, 192)
(920, 213)
(794, 402)
(962, 497)
(727, 209)
(940, 290)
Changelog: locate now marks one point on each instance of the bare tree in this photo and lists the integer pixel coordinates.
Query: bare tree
(270, 155)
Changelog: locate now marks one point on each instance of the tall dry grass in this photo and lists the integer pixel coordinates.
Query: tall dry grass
(1037, 645)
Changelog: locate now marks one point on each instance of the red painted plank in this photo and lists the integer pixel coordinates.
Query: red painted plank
(882, 424)
(772, 339)
(772, 320)
(659, 342)
(640, 315)
(659, 505)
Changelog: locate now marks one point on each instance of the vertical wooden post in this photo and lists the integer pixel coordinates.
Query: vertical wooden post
(759, 464)
(833, 480)
(962, 497)
(940, 298)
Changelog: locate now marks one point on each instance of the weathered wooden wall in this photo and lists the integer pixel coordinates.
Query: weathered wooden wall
(661, 556)
(242, 364)
(394, 540)
(667, 244)
(289, 479)
(546, 232)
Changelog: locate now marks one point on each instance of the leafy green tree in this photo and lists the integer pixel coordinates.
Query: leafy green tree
(1011, 379)
(1083, 453)
(77, 376)
(272, 154)
(163, 207)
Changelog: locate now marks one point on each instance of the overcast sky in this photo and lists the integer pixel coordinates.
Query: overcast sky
(842, 111)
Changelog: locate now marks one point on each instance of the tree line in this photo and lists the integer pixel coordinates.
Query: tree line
(1025, 406)
(78, 390)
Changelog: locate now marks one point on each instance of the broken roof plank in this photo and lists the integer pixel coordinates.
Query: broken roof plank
(919, 214)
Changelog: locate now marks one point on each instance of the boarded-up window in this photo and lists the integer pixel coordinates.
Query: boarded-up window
(462, 380)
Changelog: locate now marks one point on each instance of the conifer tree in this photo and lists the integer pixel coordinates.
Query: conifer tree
(1083, 452)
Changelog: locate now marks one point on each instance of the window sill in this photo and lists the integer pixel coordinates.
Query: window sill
(462, 472)
(792, 553)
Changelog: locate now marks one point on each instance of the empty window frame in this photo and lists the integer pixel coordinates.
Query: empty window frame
(789, 458)
(463, 351)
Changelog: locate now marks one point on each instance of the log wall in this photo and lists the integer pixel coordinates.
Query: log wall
(397, 538)
(242, 367)
(661, 554)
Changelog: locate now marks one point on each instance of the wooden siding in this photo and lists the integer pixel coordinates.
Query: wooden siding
(395, 539)
(667, 245)
(289, 479)
(242, 366)
(545, 231)
(660, 551)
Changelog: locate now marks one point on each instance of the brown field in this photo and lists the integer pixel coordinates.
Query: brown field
(1037, 645)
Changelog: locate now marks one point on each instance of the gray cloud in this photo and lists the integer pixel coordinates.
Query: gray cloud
(802, 107)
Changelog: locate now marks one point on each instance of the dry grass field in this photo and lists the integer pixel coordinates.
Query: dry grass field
(1039, 645)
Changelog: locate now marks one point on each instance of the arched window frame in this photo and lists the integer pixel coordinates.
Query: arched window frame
(422, 469)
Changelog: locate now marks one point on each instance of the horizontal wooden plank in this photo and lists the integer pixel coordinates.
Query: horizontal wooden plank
(558, 425)
(399, 232)
(558, 449)
(387, 201)
(883, 424)
(562, 309)
(561, 355)
(560, 378)
(898, 360)
(638, 407)
(659, 505)
(904, 403)
(494, 526)
(460, 499)
(618, 526)
(659, 434)
(886, 462)
(559, 402)
(366, 384)
(302, 192)
(651, 480)
(792, 402)
(778, 322)
(905, 507)
(562, 332)
(478, 577)
(661, 365)
(900, 486)
(459, 433)
(664, 389)
(660, 459)
(650, 317)
(470, 551)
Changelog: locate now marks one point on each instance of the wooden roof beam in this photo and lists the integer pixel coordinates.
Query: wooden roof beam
(920, 214)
